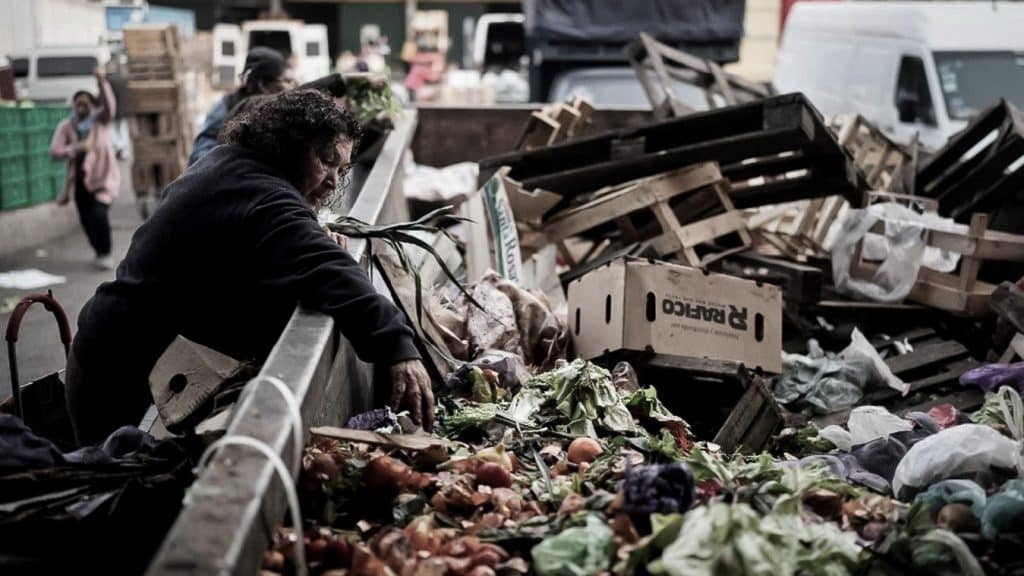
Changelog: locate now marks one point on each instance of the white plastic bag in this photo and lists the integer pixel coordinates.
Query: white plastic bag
(902, 250)
(954, 451)
(868, 423)
(859, 347)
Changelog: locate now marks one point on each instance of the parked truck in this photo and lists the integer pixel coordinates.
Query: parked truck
(564, 36)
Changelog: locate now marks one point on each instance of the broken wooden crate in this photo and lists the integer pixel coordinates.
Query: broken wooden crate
(719, 399)
(659, 196)
(772, 150)
(670, 66)
(554, 123)
(884, 163)
(975, 172)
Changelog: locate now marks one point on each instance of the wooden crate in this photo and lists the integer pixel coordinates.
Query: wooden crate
(155, 97)
(151, 40)
(555, 123)
(667, 197)
(720, 399)
(153, 68)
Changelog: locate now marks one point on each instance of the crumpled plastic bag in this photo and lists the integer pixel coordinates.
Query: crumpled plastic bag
(831, 384)
(579, 551)
(1004, 511)
(991, 376)
(954, 491)
(902, 251)
(449, 184)
(867, 423)
(952, 452)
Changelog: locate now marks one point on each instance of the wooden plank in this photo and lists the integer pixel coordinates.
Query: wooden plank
(926, 356)
(698, 366)
(966, 400)
(740, 418)
(624, 200)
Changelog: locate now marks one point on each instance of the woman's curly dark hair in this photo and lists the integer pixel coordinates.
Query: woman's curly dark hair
(282, 129)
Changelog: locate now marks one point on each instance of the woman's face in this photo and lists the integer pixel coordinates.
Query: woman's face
(285, 82)
(83, 106)
(322, 175)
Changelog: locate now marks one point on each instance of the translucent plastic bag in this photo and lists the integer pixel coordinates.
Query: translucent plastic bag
(952, 452)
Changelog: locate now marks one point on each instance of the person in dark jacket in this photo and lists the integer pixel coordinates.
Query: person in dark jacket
(225, 261)
(265, 72)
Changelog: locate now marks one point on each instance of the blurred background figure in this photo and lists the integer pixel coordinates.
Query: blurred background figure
(93, 176)
(265, 72)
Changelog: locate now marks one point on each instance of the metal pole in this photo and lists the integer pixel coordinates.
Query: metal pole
(410, 13)
(276, 7)
(15, 383)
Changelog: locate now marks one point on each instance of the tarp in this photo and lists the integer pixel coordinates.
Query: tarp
(670, 21)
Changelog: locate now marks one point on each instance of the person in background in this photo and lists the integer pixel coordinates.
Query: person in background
(225, 260)
(93, 176)
(265, 72)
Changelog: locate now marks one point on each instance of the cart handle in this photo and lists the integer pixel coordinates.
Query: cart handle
(48, 302)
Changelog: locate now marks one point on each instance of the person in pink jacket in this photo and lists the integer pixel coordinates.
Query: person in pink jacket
(93, 176)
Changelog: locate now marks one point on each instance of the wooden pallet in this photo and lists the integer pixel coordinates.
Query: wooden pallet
(555, 123)
(980, 183)
(670, 66)
(659, 195)
(773, 150)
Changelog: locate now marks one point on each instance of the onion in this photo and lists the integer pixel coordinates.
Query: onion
(584, 450)
(494, 475)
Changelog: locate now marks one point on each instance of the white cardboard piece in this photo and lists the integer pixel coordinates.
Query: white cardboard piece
(635, 304)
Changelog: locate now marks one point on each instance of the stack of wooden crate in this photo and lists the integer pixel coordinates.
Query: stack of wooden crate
(157, 106)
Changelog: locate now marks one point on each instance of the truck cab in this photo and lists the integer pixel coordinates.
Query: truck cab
(305, 45)
(910, 67)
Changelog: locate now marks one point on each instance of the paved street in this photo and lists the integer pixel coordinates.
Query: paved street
(39, 349)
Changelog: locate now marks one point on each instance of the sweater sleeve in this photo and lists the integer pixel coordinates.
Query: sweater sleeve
(61, 147)
(298, 256)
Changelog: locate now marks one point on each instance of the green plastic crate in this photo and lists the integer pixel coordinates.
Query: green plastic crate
(40, 165)
(10, 117)
(55, 115)
(41, 189)
(13, 167)
(58, 184)
(14, 194)
(35, 118)
(38, 140)
(12, 142)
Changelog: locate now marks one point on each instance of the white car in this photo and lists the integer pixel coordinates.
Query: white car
(53, 75)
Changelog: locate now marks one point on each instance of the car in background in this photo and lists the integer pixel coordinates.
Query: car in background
(51, 75)
(616, 87)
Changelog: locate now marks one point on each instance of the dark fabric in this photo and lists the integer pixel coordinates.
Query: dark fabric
(98, 402)
(120, 446)
(94, 215)
(624, 20)
(223, 262)
(20, 449)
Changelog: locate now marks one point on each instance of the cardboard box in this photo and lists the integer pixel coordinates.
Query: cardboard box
(637, 305)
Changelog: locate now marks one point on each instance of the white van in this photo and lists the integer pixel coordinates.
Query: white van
(305, 44)
(54, 74)
(925, 67)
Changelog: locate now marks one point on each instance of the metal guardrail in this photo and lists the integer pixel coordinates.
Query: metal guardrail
(237, 501)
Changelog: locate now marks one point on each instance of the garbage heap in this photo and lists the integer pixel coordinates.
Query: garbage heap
(748, 341)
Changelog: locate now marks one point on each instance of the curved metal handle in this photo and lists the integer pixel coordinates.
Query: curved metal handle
(48, 302)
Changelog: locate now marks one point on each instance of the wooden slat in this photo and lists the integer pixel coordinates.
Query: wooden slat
(927, 356)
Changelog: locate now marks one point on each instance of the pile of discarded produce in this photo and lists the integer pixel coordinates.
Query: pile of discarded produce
(581, 471)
